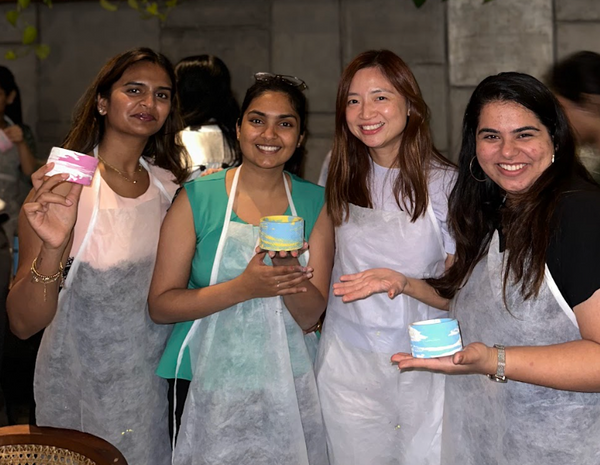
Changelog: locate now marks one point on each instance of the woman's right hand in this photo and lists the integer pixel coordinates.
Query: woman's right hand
(51, 209)
(261, 280)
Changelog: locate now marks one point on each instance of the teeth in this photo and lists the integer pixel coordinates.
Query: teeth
(371, 127)
(512, 167)
(268, 148)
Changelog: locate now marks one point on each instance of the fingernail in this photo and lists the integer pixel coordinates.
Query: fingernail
(64, 176)
(68, 202)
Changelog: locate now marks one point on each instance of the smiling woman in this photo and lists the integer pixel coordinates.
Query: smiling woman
(525, 286)
(252, 390)
(387, 192)
(95, 367)
(513, 146)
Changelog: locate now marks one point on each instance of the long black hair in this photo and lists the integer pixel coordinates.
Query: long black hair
(477, 208)
(205, 95)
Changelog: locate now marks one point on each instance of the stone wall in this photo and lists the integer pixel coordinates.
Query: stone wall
(450, 46)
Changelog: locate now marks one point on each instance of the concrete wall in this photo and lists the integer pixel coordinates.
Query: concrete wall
(450, 46)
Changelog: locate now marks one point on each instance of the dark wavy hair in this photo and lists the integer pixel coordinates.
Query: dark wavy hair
(350, 166)
(205, 95)
(87, 129)
(8, 85)
(477, 208)
(299, 104)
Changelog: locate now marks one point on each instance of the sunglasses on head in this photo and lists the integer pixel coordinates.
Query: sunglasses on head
(291, 80)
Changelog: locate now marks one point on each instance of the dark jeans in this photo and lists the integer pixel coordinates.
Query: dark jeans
(183, 385)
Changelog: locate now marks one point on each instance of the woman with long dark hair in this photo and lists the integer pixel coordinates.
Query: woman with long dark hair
(387, 191)
(95, 367)
(525, 286)
(209, 112)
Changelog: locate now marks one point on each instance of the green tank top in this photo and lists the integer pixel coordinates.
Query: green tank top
(208, 199)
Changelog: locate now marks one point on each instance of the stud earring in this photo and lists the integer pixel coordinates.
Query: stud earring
(408, 114)
(102, 111)
(553, 156)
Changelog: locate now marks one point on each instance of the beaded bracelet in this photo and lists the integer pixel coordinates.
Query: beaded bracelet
(44, 279)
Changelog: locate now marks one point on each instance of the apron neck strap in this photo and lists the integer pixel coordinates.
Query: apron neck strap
(229, 210)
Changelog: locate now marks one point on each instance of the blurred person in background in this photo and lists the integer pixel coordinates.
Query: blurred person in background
(575, 80)
(209, 110)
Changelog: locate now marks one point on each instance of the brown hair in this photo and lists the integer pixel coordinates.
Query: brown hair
(87, 129)
(350, 161)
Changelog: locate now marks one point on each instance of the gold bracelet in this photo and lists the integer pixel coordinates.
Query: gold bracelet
(44, 279)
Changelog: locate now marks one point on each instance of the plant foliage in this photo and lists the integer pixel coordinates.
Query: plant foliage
(147, 9)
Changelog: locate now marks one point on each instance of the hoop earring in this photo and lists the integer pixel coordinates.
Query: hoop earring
(471, 171)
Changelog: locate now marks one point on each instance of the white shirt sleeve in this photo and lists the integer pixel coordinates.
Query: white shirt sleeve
(441, 181)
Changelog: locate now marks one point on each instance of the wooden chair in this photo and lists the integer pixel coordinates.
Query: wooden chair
(29, 445)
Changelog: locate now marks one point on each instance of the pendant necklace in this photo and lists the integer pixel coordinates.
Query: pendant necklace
(119, 172)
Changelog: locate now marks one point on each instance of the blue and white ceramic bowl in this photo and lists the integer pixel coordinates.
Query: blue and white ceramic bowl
(435, 338)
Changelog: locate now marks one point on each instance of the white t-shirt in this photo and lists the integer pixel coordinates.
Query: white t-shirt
(440, 183)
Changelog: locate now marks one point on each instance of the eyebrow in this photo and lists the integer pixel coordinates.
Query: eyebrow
(376, 91)
(264, 115)
(135, 83)
(514, 131)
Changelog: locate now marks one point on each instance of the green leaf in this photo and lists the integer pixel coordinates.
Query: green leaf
(171, 3)
(108, 6)
(133, 4)
(23, 4)
(12, 17)
(29, 35)
(42, 51)
(162, 17)
(152, 8)
(419, 3)
(10, 55)
(48, 3)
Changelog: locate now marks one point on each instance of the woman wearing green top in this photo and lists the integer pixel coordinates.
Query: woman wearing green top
(252, 396)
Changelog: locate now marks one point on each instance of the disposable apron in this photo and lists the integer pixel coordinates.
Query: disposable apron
(373, 413)
(503, 424)
(253, 397)
(95, 367)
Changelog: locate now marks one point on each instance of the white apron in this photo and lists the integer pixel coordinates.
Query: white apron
(515, 423)
(253, 398)
(373, 413)
(95, 367)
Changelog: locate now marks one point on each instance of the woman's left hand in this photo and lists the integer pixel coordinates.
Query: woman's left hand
(476, 358)
(14, 133)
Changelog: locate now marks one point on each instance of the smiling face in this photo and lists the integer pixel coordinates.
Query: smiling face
(376, 113)
(269, 131)
(140, 101)
(513, 147)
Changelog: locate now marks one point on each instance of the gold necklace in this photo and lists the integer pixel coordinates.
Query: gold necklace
(119, 172)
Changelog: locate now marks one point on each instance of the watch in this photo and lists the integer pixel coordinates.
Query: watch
(500, 377)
